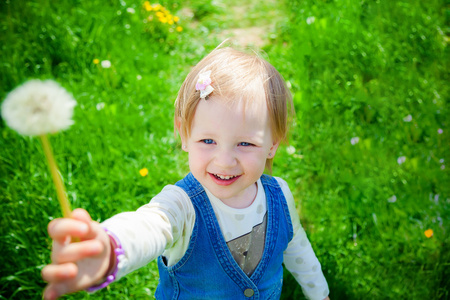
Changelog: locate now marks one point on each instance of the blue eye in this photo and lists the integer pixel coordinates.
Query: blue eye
(245, 144)
(208, 141)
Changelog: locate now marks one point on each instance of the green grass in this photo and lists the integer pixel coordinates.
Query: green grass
(357, 69)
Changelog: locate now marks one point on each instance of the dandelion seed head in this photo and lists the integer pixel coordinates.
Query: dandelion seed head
(38, 107)
(354, 140)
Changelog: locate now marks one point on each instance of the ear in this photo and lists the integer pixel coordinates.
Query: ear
(273, 150)
(180, 132)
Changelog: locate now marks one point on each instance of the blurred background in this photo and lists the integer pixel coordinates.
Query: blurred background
(368, 155)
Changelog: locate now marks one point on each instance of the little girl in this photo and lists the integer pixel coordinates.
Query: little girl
(222, 232)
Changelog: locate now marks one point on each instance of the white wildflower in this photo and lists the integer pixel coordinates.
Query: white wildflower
(130, 10)
(138, 77)
(401, 159)
(408, 118)
(354, 140)
(310, 20)
(290, 150)
(106, 64)
(392, 199)
(436, 198)
(375, 220)
(38, 107)
(440, 131)
(100, 105)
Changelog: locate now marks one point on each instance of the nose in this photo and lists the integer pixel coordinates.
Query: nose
(225, 159)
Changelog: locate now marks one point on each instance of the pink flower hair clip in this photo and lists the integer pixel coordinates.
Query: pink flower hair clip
(204, 84)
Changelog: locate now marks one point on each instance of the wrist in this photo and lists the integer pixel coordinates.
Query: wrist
(116, 255)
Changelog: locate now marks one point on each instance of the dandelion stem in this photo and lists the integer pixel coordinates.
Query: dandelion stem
(60, 190)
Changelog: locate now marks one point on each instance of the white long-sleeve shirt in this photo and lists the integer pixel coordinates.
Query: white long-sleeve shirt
(164, 227)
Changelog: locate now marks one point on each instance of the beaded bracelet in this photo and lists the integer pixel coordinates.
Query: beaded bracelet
(118, 250)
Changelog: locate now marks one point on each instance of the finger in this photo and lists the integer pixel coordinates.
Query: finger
(59, 229)
(77, 251)
(50, 293)
(81, 215)
(57, 273)
(55, 290)
(94, 227)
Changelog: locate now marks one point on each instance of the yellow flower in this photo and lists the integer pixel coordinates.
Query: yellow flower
(159, 14)
(147, 6)
(170, 22)
(163, 20)
(157, 7)
(179, 29)
(176, 19)
(143, 172)
(428, 233)
(96, 61)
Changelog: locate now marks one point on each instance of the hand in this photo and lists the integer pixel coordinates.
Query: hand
(79, 265)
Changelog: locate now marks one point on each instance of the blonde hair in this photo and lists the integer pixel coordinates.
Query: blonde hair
(237, 76)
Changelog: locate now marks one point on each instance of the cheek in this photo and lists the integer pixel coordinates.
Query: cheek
(255, 161)
(197, 158)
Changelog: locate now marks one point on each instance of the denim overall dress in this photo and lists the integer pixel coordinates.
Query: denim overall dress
(208, 270)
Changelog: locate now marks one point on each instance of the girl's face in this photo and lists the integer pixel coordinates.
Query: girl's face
(228, 148)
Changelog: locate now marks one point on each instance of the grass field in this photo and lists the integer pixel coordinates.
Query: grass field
(369, 148)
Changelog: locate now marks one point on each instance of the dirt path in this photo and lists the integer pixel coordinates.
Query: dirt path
(248, 24)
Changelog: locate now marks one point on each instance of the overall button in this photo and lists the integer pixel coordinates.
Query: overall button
(249, 293)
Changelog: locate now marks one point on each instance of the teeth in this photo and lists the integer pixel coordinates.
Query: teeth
(224, 177)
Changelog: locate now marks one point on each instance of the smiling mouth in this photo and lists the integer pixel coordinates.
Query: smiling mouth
(225, 177)
(224, 180)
